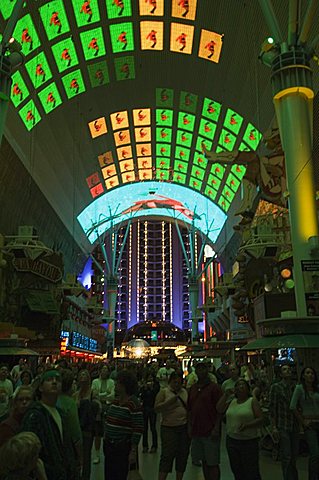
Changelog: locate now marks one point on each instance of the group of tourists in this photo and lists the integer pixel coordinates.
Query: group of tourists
(52, 425)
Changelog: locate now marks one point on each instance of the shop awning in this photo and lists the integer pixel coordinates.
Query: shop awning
(283, 341)
(17, 351)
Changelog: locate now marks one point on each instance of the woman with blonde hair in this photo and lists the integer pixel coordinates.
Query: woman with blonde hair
(19, 458)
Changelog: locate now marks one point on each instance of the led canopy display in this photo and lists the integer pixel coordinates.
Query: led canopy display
(86, 12)
(54, 18)
(152, 199)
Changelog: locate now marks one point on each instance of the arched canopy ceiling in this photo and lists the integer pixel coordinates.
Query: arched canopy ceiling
(119, 93)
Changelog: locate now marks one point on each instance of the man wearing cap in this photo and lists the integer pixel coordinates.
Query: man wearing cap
(44, 419)
(204, 422)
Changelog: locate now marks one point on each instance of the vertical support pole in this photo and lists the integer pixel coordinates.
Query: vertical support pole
(193, 299)
(111, 291)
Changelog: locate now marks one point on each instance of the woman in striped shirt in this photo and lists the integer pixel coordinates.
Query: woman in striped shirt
(123, 428)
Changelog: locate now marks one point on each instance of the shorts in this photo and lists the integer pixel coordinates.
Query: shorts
(175, 446)
(207, 450)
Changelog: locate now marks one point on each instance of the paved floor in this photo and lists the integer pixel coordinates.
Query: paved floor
(270, 469)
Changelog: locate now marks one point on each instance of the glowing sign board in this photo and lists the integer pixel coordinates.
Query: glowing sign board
(179, 177)
(201, 141)
(96, 191)
(210, 46)
(93, 43)
(93, 180)
(86, 12)
(111, 182)
(200, 160)
(118, 8)
(122, 37)
(152, 36)
(180, 166)
(54, 19)
(19, 91)
(184, 9)
(65, 54)
(109, 171)
(38, 70)
(50, 98)
(99, 74)
(197, 172)
(26, 34)
(139, 200)
(30, 115)
(162, 163)
(181, 38)
(124, 68)
(152, 7)
(145, 174)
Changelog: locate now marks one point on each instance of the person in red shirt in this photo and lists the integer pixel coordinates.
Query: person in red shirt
(65, 55)
(87, 10)
(205, 422)
(211, 48)
(122, 38)
(152, 38)
(184, 4)
(182, 40)
(55, 21)
(120, 5)
(93, 45)
(26, 38)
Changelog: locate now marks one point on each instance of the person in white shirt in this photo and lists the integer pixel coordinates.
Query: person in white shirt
(103, 389)
(164, 373)
(6, 392)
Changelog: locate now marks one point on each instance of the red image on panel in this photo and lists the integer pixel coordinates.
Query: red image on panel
(65, 55)
(181, 39)
(87, 10)
(40, 72)
(122, 39)
(152, 38)
(26, 38)
(51, 100)
(120, 5)
(17, 92)
(55, 21)
(184, 4)
(93, 45)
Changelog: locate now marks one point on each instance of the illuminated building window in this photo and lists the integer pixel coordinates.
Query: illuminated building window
(73, 84)
(188, 102)
(118, 8)
(122, 137)
(124, 153)
(99, 74)
(19, 90)
(151, 7)
(54, 19)
(184, 9)
(143, 149)
(30, 115)
(65, 54)
(86, 12)
(119, 120)
(38, 70)
(122, 37)
(105, 159)
(186, 121)
(93, 43)
(164, 97)
(163, 134)
(50, 98)
(142, 117)
(98, 127)
(143, 134)
(211, 109)
(26, 34)
(181, 38)
(210, 46)
(124, 68)
(152, 37)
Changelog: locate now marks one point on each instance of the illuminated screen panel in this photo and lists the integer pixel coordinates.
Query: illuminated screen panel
(163, 150)
(128, 177)
(19, 91)
(145, 174)
(93, 43)
(211, 109)
(188, 102)
(210, 192)
(26, 34)
(38, 70)
(124, 153)
(164, 97)
(119, 120)
(97, 191)
(224, 203)
(50, 98)
(233, 121)
(210, 46)
(163, 175)
(151, 7)
(144, 163)
(244, 148)
(122, 137)
(93, 180)
(164, 118)
(200, 160)
(111, 182)
(203, 141)
(86, 12)
(143, 149)
(30, 115)
(127, 165)
(180, 167)
(233, 182)
(186, 121)
(185, 9)
(164, 135)
(252, 136)
(207, 129)
(105, 159)
(213, 182)
(195, 183)
(118, 8)
(124, 68)
(143, 134)
(182, 153)
(73, 84)
(218, 170)
(163, 163)
(228, 193)
(184, 138)
(179, 177)
(65, 54)
(54, 19)
(152, 35)
(122, 37)
(141, 117)
(109, 171)
(6, 8)
(197, 172)
(239, 171)
(97, 127)
(99, 74)
(181, 38)
(227, 140)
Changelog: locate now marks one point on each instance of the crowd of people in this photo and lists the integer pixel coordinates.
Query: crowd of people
(53, 419)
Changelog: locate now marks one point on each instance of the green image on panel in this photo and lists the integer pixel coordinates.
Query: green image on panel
(238, 170)
(186, 121)
(218, 170)
(164, 97)
(39, 70)
(162, 174)
(86, 12)
(227, 140)
(182, 153)
(30, 115)
(232, 182)
(93, 43)
(210, 192)
(244, 148)
(180, 167)
(50, 98)
(163, 163)
(223, 203)
(99, 74)
(211, 109)
(184, 138)
(124, 68)
(26, 34)
(200, 159)
(207, 128)
(228, 193)
(164, 117)
(163, 150)
(197, 172)
(179, 177)
(65, 54)
(252, 136)
(19, 91)
(118, 8)
(188, 102)
(6, 8)
(213, 182)
(233, 121)
(195, 183)
(163, 134)
(122, 37)
(203, 141)
(54, 19)
(73, 84)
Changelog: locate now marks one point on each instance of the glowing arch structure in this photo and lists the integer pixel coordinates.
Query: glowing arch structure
(145, 199)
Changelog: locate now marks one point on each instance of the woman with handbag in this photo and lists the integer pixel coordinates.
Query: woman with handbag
(171, 402)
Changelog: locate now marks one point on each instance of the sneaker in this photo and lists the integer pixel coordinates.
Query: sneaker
(153, 450)
(145, 449)
(96, 460)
